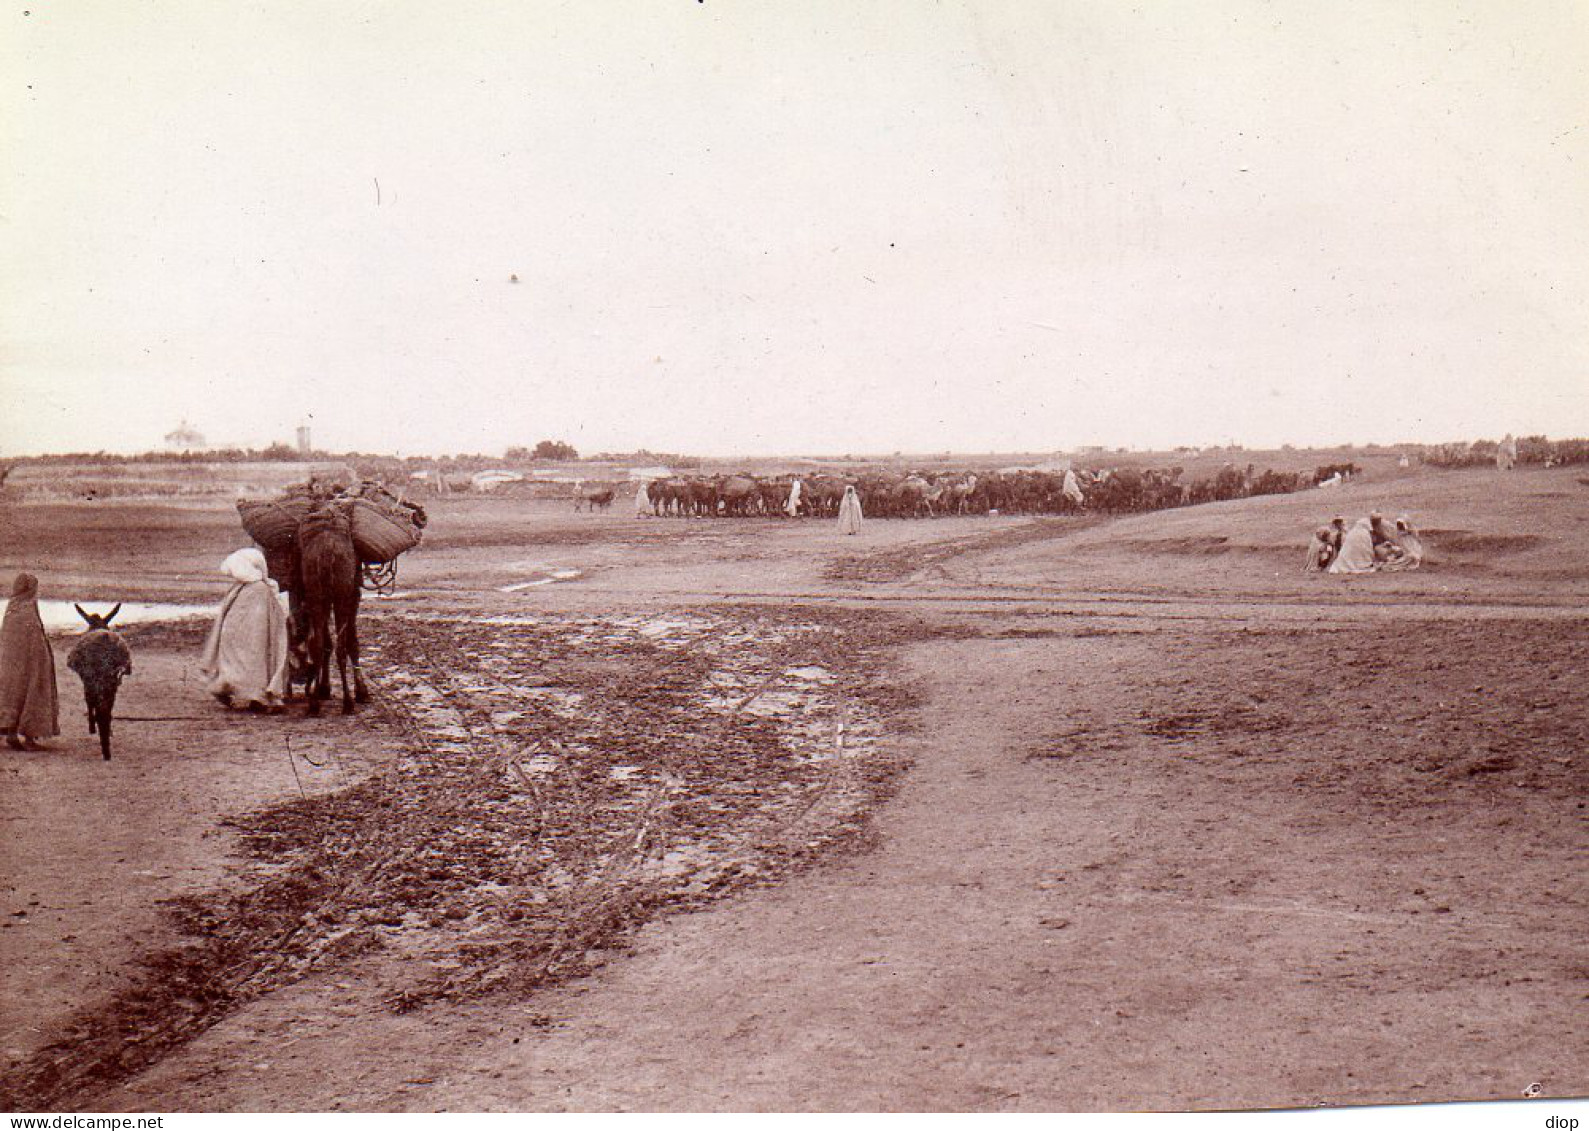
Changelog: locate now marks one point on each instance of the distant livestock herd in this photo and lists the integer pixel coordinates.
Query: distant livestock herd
(939, 493)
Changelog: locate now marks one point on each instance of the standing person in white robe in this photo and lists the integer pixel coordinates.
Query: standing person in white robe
(1357, 550)
(850, 512)
(244, 662)
(642, 501)
(792, 507)
(1506, 454)
(1072, 489)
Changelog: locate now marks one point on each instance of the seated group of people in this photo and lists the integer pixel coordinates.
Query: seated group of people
(1369, 546)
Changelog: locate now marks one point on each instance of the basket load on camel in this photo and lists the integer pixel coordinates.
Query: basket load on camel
(384, 525)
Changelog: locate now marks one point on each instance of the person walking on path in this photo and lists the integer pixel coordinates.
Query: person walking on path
(29, 705)
(850, 512)
(244, 662)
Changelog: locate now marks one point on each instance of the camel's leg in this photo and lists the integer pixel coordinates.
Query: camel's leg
(297, 647)
(319, 685)
(343, 625)
(342, 669)
(361, 693)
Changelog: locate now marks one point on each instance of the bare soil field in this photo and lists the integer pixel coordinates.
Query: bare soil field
(965, 814)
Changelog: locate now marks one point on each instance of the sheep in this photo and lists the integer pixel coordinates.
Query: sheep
(101, 660)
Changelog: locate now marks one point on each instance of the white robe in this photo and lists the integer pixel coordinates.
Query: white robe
(1072, 489)
(245, 658)
(1357, 550)
(792, 507)
(850, 512)
(642, 501)
(1409, 545)
(1319, 551)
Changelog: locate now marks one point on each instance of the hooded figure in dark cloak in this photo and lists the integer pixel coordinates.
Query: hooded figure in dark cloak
(29, 705)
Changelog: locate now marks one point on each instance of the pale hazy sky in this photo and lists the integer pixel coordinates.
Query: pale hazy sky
(798, 226)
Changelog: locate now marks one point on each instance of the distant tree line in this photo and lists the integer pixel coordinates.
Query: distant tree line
(1530, 449)
(549, 451)
(1536, 450)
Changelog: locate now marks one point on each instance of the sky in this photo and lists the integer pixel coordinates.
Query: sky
(740, 227)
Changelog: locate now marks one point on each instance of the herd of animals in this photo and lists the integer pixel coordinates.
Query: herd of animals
(927, 494)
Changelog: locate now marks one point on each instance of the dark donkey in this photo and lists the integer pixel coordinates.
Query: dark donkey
(101, 660)
(328, 571)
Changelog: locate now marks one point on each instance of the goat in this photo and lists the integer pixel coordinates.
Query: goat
(101, 660)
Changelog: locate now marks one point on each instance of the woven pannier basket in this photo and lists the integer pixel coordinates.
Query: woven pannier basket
(274, 522)
(380, 534)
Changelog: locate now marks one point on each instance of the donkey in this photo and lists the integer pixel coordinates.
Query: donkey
(328, 568)
(101, 660)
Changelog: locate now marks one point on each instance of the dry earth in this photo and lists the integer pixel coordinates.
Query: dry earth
(972, 814)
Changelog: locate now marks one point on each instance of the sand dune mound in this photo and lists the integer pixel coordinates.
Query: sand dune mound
(1486, 533)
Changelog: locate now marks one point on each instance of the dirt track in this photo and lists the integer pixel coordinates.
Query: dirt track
(1181, 829)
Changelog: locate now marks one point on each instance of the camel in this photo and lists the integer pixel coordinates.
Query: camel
(329, 577)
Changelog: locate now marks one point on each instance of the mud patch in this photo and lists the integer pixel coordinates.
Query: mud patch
(549, 804)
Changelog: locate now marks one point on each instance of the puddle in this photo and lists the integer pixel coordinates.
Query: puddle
(680, 861)
(770, 704)
(60, 616)
(548, 576)
(559, 701)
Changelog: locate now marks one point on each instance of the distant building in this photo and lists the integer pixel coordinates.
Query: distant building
(184, 438)
(304, 446)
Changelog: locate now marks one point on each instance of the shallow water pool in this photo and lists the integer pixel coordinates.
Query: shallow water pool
(60, 616)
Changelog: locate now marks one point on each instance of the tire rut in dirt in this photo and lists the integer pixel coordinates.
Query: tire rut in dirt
(897, 564)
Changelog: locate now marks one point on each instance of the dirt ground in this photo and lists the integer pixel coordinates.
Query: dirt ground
(967, 814)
